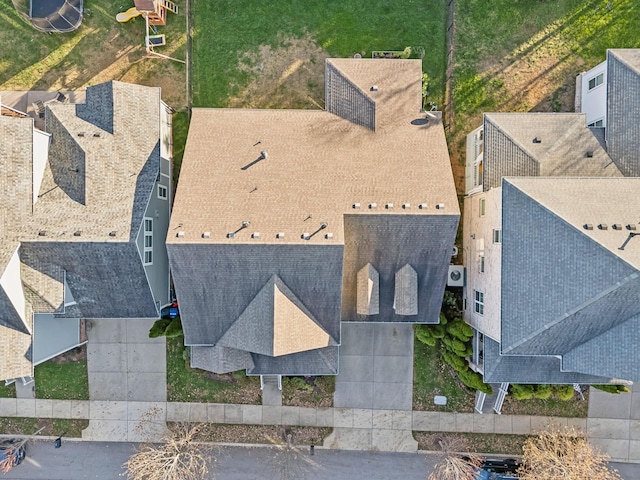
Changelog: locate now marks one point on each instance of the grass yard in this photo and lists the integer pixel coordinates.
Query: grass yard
(52, 426)
(62, 381)
(473, 442)
(186, 384)
(7, 391)
(433, 377)
(308, 391)
(237, 41)
(551, 407)
(101, 49)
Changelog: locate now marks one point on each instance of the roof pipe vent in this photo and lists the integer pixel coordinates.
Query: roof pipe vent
(537, 140)
(231, 234)
(388, 206)
(113, 233)
(422, 206)
(631, 226)
(440, 206)
(588, 226)
(206, 234)
(305, 236)
(328, 236)
(255, 235)
(280, 235)
(589, 154)
(373, 205)
(180, 234)
(355, 205)
(374, 88)
(603, 226)
(406, 206)
(42, 233)
(616, 226)
(77, 233)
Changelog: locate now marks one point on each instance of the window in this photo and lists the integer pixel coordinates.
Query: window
(481, 263)
(162, 192)
(597, 123)
(479, 302)
(148, 241)
(497, 235)
(482, 207)
(596, 81)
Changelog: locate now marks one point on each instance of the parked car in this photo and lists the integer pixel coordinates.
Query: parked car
(12, 452)
(498, 469)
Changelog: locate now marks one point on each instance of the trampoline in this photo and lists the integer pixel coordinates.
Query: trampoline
(55, 15)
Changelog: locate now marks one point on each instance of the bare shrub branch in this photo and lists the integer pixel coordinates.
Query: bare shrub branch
(452, 465)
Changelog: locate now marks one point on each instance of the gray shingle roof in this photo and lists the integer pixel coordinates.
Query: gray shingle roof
(564, 286)
(530, 369)
(542, 144)
(220, 359)
(323, 361)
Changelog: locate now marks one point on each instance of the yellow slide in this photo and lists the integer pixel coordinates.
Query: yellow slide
(128, 15)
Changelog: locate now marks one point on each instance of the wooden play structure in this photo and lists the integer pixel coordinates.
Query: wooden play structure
(155, 10)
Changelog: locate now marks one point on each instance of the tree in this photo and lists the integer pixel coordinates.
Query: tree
(453, 466)
(563, 452)
(178, 457)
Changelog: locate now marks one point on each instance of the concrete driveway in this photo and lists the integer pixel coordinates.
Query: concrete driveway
(376, 366)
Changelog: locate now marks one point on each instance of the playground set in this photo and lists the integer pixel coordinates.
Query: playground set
(155, 14)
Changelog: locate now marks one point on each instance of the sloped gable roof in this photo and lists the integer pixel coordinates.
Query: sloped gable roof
(276, 323)
(564, 285)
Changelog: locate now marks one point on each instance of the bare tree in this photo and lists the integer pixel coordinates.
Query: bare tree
(453, 465)
(563, 452)
(179, 457)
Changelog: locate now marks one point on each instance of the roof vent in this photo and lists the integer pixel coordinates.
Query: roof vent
(440, 206)
(589, 154)
(631, 226)
(206, 235)
(263, 154)
(616, 226)
(231, 234)
(97, 134)
(603, 226)
(280, 235)
(328, 236)
(305, 236)
(42, 233)
(81, 134)
(537, 140)
(588, 226)
(255, 235)
(180, 234)
(373, 205)
(355, 205)
(77, 233)
(374, 88)
(422, 206)
(406, 206)
(388, 206)
(113, 233)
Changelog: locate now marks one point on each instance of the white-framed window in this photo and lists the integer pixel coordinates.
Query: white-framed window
(481, 263)
(478, 302)
(482, 207)
(148, 241)
(497, 235)
(597, 123)
(596, 81)
(163, 192)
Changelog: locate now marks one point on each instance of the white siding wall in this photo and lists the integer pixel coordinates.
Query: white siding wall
(594, 102)
(477, 241)
(12, 285)
(40, 155)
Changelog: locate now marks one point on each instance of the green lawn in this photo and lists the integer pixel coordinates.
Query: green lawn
(432, 377)
(224, 30)
(7, 391)
(549, 42)
(67, 381)
(186, 384)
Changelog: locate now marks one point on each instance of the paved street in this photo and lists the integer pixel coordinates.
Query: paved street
(96, 460)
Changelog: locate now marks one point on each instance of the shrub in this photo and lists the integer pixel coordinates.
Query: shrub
(174, 329)
(456, 362)
(425, 335)
(299, 384)
(521, 392)
(612, 388)
(564, 392)
(460, 330)
(186, 354)
(543, 392)
(474, 380)
(159, 327)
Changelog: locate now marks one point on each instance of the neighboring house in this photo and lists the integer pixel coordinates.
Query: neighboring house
(86, 208)
(288, 222)
(551, 286)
